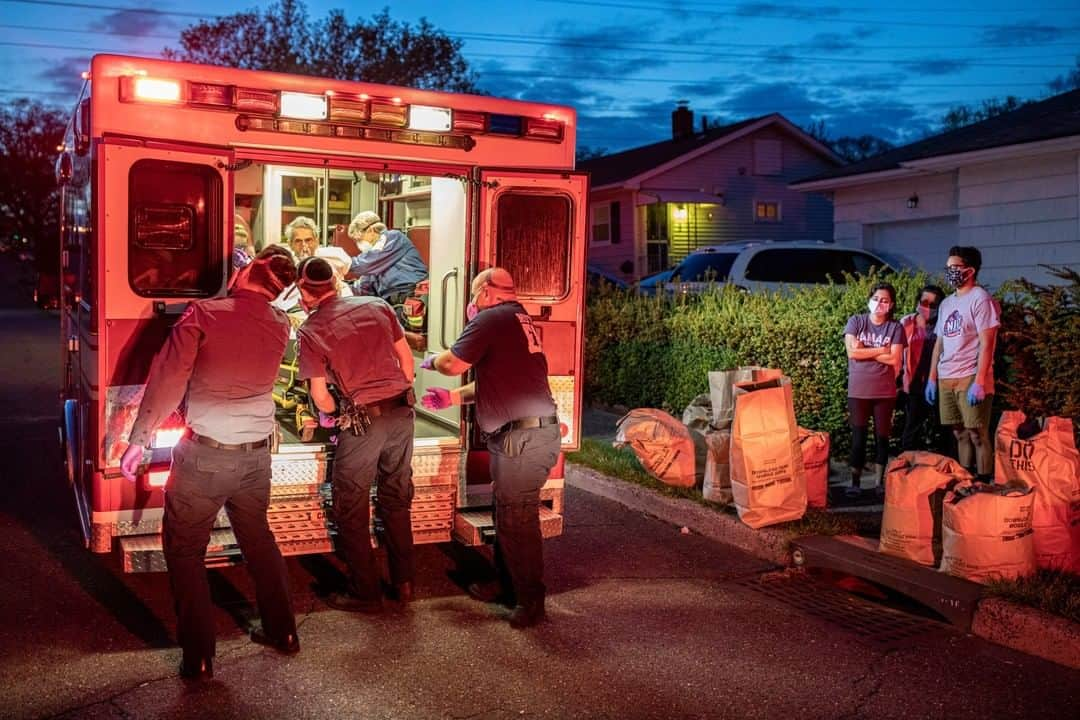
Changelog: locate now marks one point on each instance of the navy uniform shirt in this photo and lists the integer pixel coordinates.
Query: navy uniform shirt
(223, 354)
(350, 342)
(504, 349)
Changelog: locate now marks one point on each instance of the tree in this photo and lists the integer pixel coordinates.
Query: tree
(849, 147)
(587, 152)
(283, 38)
(960, 116)
(1068, 81)
(29, 197)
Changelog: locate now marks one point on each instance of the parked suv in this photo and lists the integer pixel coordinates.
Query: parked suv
(763, 266)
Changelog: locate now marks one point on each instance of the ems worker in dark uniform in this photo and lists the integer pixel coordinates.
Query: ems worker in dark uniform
(357, 344)
(514, 408)
(222, 356)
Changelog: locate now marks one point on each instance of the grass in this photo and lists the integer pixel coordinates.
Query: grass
(1054, 591)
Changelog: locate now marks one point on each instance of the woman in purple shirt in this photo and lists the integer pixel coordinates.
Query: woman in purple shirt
(874, 343)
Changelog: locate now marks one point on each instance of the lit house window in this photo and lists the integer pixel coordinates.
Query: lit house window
(765, 211)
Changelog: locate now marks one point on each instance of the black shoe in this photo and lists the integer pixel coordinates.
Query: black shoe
(289, 645)
(352, 603)
(490, 592)
(527, 615)
(201, 669)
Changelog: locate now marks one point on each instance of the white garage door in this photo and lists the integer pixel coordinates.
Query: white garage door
(921, 244)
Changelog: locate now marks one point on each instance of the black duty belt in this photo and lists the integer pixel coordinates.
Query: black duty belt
(211, 442)
(529, 422)
(379, 407)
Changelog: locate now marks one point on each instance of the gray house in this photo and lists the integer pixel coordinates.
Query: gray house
(651, 205)
(1009, 185)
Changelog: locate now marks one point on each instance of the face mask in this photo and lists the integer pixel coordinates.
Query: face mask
(874, 307)
(471, 311)
(929, 314)
(956, 276)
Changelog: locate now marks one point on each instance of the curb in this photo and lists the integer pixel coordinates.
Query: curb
(1000, 621)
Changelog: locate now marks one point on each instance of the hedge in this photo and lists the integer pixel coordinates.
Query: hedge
(656, 351)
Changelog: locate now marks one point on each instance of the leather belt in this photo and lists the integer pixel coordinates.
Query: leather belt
(530, 422)
(379, 407)
(211, 442)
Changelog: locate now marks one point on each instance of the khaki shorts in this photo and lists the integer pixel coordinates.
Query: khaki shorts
(955, 409)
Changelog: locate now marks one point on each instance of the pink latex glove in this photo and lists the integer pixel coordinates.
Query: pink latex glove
(327, 421)
(436, 398)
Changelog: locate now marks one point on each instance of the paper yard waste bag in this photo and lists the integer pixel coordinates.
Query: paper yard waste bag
(911, 514)
(698, 414)
(716, 486)
(767, 479)
(815, 455)
(1041, 453)
(986, 531)
(663, 445)
(722, 394)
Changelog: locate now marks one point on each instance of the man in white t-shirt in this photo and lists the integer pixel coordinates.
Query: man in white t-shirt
(963, 361)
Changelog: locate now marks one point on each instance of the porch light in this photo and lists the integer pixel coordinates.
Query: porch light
(303, 106)
(433, 119)
(680, 213)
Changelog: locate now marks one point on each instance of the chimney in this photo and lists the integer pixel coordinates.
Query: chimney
(682, 121)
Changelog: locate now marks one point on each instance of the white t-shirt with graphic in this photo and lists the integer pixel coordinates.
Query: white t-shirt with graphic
(960, 320)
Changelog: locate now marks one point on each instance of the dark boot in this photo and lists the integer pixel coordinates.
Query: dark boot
(197, 669)
(491, 591)
(351, 603)
(527, 614)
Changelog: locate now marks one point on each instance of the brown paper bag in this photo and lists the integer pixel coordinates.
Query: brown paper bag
(910, 519)
(1049, 462)
(815, 453)
(661, 443)
(986, 532)
(722, 394)
(716, 486)
(767, 479)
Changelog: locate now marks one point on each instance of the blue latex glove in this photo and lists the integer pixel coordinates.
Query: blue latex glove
(436, 398)
(975, 394)
(429, 362)
(930, 393)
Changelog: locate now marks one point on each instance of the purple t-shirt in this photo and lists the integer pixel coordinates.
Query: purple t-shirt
(960, 320)
(871, 379)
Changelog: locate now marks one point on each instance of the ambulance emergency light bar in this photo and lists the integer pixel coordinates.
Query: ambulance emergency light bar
(338, 114)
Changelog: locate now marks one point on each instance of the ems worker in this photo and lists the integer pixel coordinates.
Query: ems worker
(224, 457)
(391, 266)
(357, 344)
(515, 410)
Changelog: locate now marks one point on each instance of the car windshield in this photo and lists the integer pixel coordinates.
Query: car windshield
(705, 266)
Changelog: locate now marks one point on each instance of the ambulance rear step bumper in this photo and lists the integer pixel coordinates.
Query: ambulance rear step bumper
(474, 526)
(952, 597)
(143, 553)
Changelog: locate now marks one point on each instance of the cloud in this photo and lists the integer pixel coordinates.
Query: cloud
(1020, 35)
(66, 74)
(129, 22)
(829, 42)
(772, 10)
(936, 66)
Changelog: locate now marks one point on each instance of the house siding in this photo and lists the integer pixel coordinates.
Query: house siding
(1020, 213)
(611, 257)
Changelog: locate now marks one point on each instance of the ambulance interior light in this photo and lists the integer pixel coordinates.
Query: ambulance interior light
(433, 119)
(303, 106)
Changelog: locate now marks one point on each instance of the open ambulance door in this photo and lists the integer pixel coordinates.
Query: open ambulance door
(533, 224)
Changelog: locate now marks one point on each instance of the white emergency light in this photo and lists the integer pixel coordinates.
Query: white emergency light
(303, 106)
(156, 89)
(432, 119)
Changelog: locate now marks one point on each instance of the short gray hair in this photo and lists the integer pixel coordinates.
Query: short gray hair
(301, 222)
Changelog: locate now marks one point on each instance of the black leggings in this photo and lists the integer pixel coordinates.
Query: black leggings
(859, 412)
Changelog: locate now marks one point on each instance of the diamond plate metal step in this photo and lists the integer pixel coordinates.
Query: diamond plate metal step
(952, 597)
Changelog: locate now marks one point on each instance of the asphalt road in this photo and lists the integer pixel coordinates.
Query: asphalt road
(645, 622)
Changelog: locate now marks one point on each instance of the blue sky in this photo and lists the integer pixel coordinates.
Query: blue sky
(889, 69)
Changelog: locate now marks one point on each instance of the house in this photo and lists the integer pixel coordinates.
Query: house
(1007, 185)
(650, 206)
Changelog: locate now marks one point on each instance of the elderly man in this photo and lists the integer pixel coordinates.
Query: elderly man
(224, 457)
(516, 413)
(391, 267)
(302, 235)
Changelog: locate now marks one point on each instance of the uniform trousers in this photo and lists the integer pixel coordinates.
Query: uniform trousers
(202, 480)
(383, 456)
(520, 463)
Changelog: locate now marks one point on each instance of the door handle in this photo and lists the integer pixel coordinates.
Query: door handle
(452, 273)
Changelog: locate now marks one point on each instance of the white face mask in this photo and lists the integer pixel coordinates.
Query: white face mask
(876, 307)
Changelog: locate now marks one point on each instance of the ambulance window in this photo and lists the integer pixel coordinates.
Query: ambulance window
(174, 229)
(533, 242)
